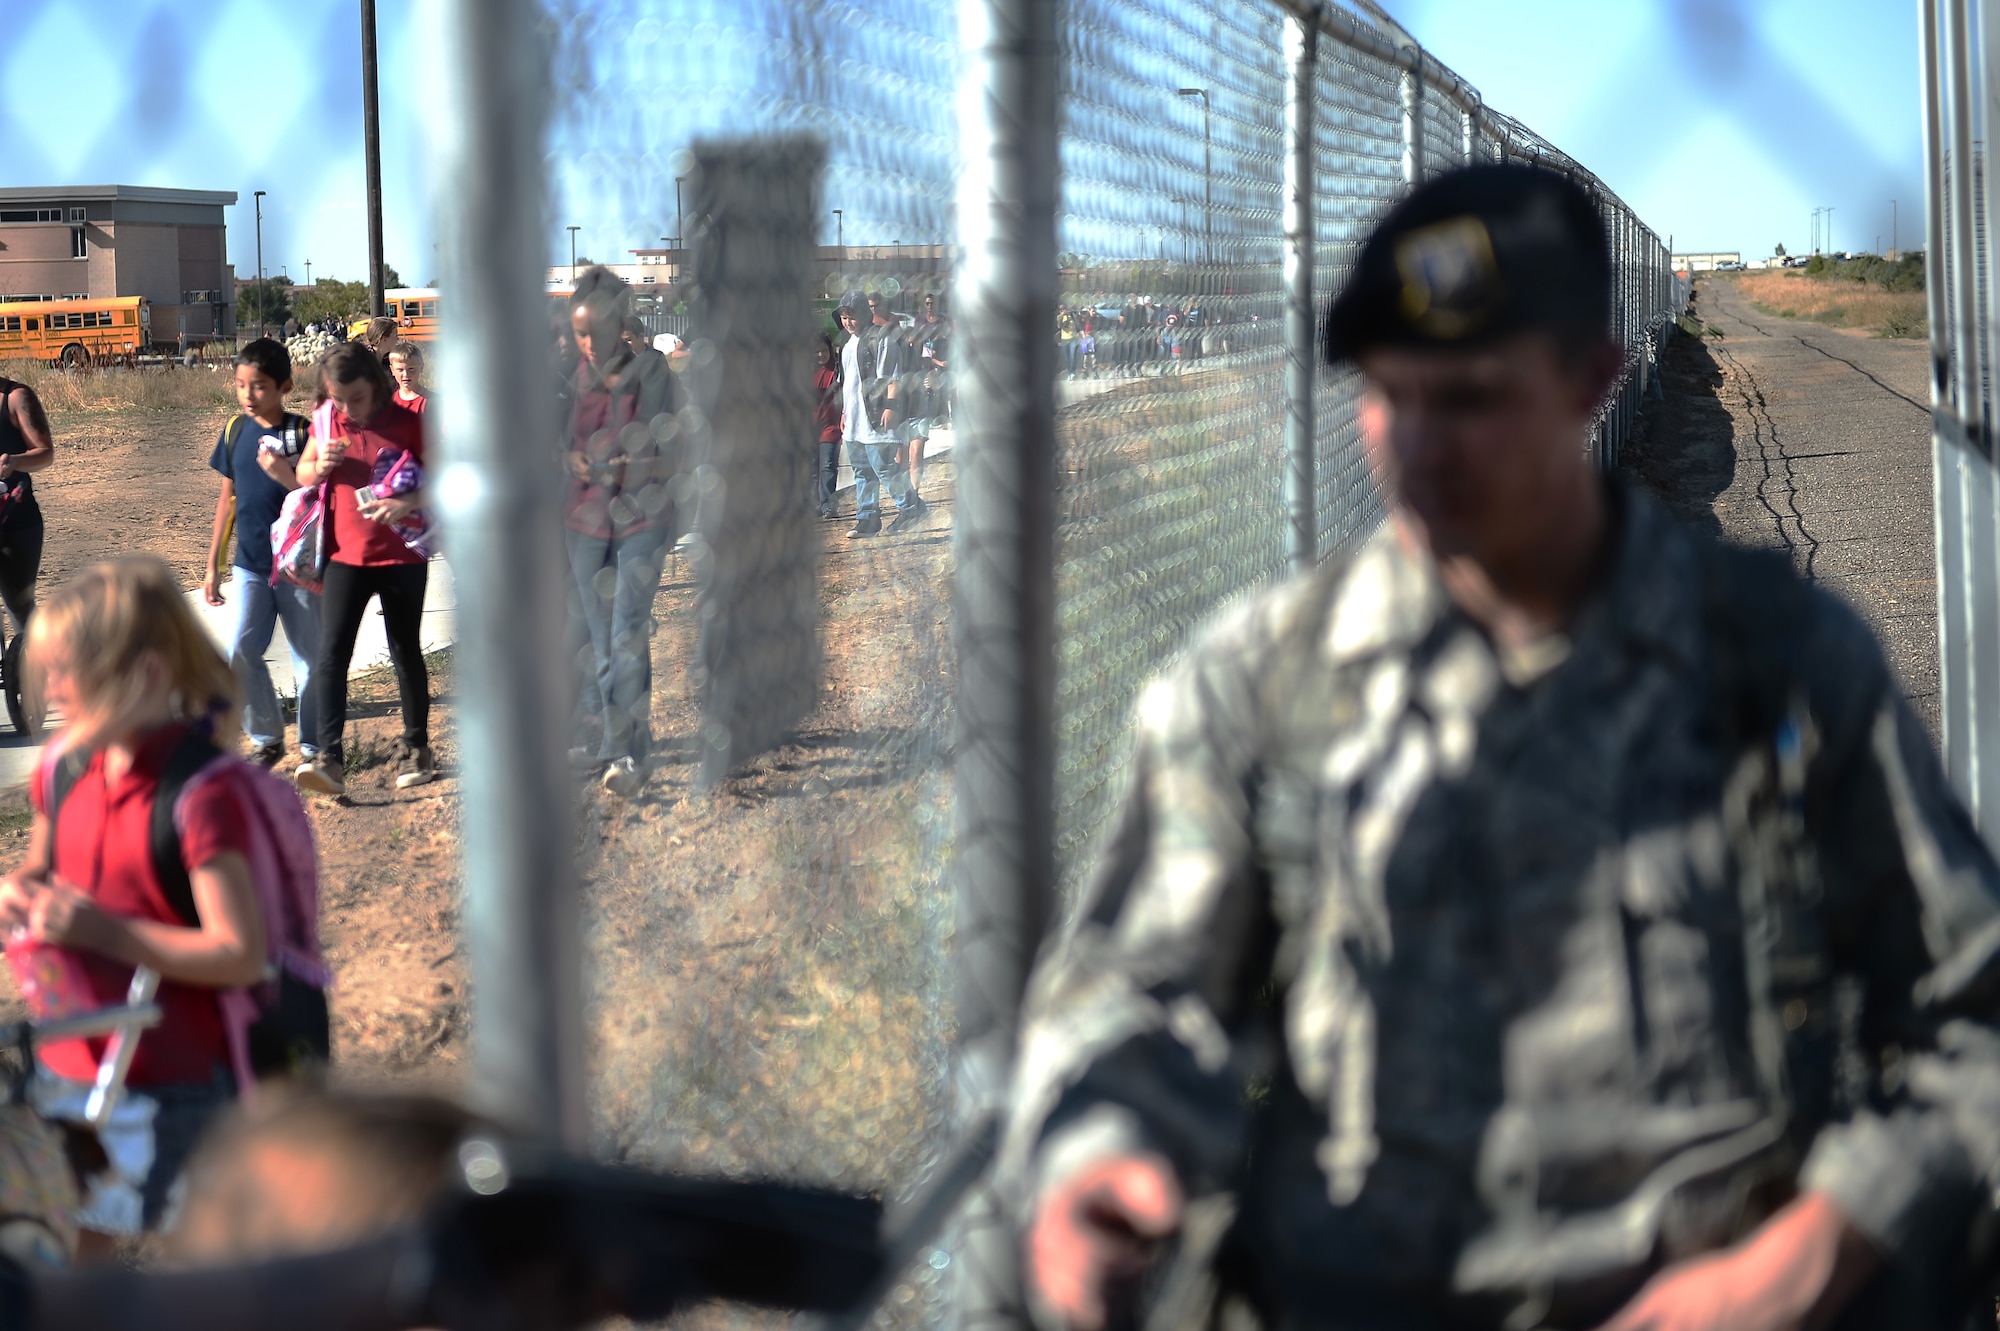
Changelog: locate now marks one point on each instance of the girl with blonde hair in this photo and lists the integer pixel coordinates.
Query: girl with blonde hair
(119, 654)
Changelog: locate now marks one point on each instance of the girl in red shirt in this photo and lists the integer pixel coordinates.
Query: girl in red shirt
(368, 560)
(118, 652)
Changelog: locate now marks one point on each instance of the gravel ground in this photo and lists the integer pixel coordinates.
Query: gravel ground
(1792, 435)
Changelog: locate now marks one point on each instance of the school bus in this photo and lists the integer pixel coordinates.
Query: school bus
(415, 310)
(74, 332)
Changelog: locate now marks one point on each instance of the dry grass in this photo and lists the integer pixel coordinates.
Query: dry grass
(210, 388)
(1842, 304)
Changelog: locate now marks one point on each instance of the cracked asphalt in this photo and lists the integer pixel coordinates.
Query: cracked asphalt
(1814, 440)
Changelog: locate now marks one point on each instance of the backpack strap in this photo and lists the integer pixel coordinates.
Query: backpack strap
(195, 750)
(62, 774)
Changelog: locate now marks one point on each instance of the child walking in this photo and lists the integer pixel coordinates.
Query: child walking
(406, 367)
(122, 657)
(257, 456)
(360, 426)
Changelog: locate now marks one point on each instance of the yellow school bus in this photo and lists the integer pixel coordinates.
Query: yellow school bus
(415, 310)
(74, 332)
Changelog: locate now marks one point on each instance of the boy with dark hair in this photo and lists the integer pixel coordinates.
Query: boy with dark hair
(256, 454)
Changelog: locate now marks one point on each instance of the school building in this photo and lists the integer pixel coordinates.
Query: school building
(94, 241)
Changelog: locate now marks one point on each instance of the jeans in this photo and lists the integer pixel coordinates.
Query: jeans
(342, 602)
(616, 579)
(829, 473)
(875, 466)
(259, 608)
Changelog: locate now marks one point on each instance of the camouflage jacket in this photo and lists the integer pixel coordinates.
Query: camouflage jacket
(1474, 987)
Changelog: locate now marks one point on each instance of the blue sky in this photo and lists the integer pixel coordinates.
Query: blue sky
(1724, 123)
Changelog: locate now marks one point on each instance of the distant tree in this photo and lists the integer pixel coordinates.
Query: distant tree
(267, 302)
(1780, 251)
(331, 298)
(391, 279)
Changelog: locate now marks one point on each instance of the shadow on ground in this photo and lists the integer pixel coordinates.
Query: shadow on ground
(1683, 448)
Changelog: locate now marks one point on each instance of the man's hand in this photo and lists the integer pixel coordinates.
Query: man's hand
(1798, 1270)
(211, 588)
(1097, 1230)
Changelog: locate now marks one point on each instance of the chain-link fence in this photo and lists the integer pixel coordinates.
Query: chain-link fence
(877, 594)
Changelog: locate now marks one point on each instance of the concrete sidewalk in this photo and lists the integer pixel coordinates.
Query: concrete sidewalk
(19, 755)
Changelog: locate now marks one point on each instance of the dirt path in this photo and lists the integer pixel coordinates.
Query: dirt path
(1796, 436)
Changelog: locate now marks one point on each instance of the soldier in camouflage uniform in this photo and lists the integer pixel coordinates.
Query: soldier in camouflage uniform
(1542, 917)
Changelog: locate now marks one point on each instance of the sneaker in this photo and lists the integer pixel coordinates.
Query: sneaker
(830, 514)
(908, 518)
(268, 755)
(322, 776)
(583, 758)
(417, 767)
(865, 529)
(625, 777)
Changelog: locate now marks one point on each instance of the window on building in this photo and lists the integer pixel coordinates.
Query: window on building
(79, 245)
(76, 214)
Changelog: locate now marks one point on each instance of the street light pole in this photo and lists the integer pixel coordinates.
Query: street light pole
(257, 198)
(572, 254)
(839, 243)
(371, 134)
(680, 221)
(1208, 175)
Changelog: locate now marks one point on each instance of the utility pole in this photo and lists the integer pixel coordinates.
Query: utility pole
(680, 221)
(263, 293)
(1815, 231)
(1895, 240)
(371, 135)
(572, 254)
(309, 272)
(1829, 231)
(1208, 175)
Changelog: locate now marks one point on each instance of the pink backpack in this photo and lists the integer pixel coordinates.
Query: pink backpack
(280, 1025)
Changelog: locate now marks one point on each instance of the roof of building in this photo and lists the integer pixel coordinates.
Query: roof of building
(138, 193)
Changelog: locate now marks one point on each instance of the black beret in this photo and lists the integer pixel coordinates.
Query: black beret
(1474, 255)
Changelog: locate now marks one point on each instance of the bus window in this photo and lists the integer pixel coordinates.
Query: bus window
(34, 324)
(430, 309)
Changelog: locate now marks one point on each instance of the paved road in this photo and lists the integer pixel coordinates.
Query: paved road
(1827, 435)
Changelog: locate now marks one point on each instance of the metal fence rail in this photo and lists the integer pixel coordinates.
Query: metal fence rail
(1958, 38)
(1151, 205)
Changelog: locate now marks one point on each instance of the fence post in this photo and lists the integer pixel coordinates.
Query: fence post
(1302, 69)
(1413, 116)
(1469, 128)
(497, 491)
(1004, 542)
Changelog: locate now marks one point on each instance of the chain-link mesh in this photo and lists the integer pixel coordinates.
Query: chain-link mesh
(1170, 454)
(766, 887)
(766, 909)
(1358, 163)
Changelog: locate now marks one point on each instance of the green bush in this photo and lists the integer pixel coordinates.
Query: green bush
(1905, 274)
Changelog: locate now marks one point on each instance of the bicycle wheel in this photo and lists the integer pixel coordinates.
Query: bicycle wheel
(10, 684)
